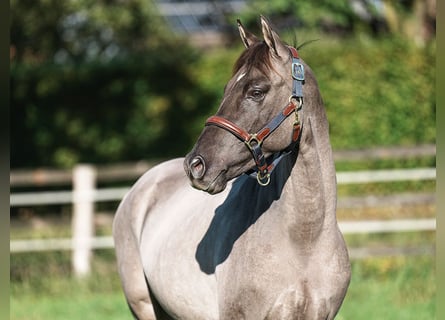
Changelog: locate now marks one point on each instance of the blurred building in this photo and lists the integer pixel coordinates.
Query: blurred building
(203, 21)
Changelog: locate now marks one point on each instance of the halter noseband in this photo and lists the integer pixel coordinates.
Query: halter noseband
(254, 141)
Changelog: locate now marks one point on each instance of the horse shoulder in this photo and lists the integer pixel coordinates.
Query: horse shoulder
(151, 188)
(127, 227)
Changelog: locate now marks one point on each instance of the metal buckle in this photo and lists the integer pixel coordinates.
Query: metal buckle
(297, 71)
(263, 179)
(253, 138)
(298, 100)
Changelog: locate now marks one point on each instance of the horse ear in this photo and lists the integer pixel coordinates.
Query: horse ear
(273, 41)
(247, 37)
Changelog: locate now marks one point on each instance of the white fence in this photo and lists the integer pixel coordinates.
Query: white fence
(110, 194)
(84, 194)
(106, 242)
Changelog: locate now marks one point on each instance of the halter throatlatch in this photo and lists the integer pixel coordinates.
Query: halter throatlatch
(254, 141)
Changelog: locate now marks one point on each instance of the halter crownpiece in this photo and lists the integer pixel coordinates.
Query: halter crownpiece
(254, 141)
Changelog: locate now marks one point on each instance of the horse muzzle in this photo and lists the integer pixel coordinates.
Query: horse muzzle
(197, 167)
(200, 178)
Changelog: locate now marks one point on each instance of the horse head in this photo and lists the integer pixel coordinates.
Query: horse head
(257, 119)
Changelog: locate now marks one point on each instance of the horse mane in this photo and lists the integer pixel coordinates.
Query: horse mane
(256, 56)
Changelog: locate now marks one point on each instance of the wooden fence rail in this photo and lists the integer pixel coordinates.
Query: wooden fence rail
(131, 171)
(110, 194)
(347, 227)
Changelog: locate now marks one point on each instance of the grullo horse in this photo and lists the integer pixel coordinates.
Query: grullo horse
(256, 236)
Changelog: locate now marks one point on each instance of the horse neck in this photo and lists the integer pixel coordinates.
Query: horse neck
(311, 188)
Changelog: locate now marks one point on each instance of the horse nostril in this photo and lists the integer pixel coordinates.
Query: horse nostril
(197, 167)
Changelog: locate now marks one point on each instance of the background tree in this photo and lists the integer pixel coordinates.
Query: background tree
(413, 19)
(107, 81)
(98, 81)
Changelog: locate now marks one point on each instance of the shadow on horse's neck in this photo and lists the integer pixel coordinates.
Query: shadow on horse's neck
(304, 182)
(245, 204)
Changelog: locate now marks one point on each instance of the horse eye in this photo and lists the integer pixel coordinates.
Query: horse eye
(256, 94)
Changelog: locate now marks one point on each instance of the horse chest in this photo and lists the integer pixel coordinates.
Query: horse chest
(277, 287)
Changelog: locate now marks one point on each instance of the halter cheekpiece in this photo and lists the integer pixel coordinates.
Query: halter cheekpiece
(254, 141)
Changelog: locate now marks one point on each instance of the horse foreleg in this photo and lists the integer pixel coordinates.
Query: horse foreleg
(158, 310)
(297, 303)
(130, 267)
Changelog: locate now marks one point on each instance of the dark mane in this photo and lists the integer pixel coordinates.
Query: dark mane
(256, 56)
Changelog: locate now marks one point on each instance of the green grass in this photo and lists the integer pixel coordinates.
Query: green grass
(391, 288)
(72, 304)
(381, 288)
(43, 286)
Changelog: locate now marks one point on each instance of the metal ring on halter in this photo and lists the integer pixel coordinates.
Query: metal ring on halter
(253, 138)
(300, 102)
(298, 99)
(261, 178)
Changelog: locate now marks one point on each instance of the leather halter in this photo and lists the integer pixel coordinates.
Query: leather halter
(254, 141)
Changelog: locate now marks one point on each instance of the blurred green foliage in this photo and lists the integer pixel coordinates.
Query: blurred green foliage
(103, 112)
(102, 82)
(99, 82)
(314, 14)
(376, 92)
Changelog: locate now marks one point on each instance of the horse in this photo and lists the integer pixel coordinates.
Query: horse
(243, 227)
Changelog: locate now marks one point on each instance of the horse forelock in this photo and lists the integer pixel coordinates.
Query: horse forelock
(256, 56)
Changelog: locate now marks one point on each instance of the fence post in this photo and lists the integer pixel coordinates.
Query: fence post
(84, 183)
